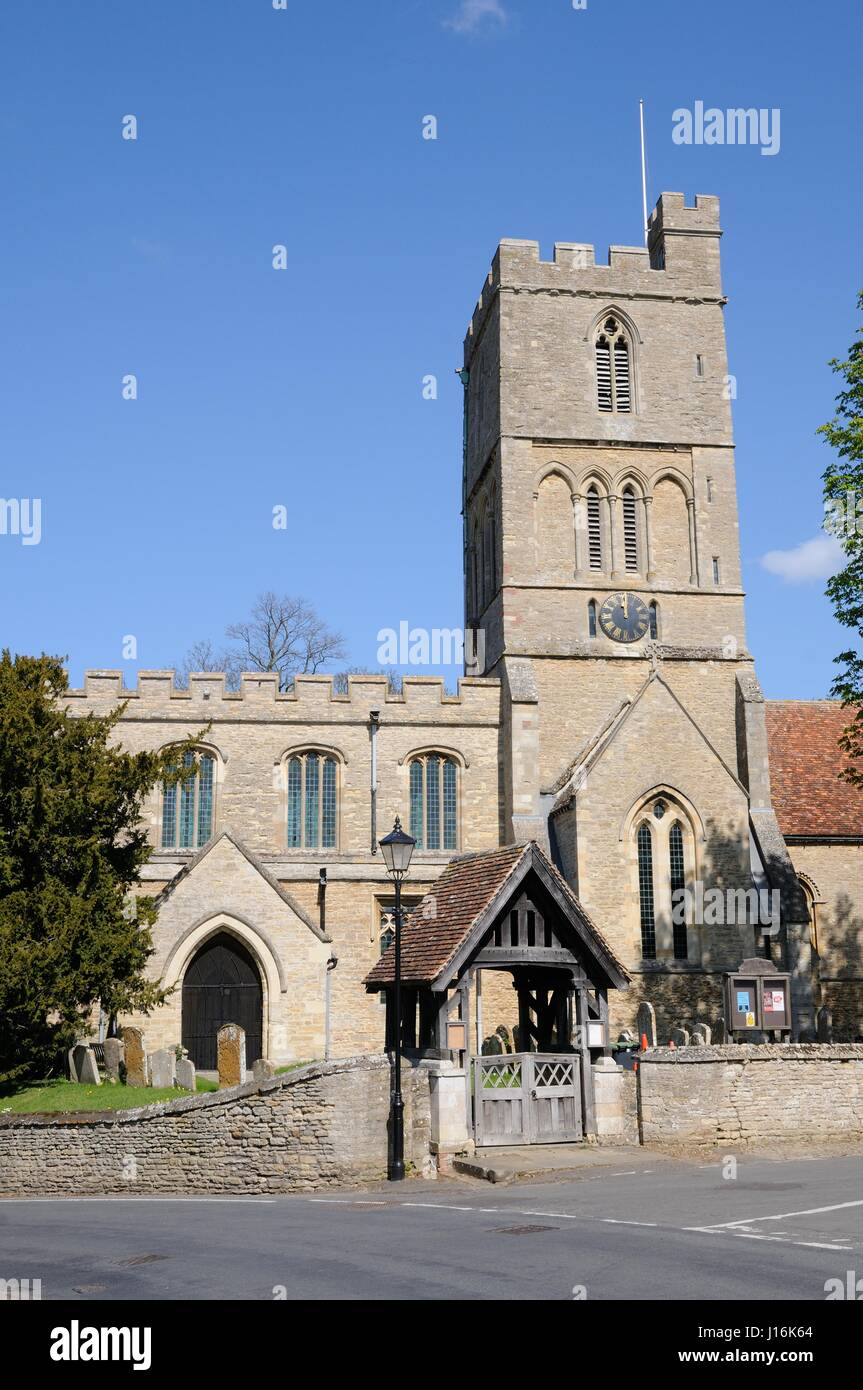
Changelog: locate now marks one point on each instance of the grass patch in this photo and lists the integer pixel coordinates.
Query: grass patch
(64, 1097)
(295, 1066)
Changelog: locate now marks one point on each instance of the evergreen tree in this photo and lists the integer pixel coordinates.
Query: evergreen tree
(843, 497)
(73, 933)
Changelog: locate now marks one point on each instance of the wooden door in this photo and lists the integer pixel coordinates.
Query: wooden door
(222, 985)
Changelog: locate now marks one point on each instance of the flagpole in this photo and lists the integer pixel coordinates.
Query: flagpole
(643, 170)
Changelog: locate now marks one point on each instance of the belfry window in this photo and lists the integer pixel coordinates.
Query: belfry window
(434, 802)
(630, 531)
(613, 369)
(594, 530)
(187, 806)
(591, 618)
(312, 801)
(654, 622)
(645, 892)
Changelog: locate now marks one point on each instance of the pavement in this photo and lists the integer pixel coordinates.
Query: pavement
(639, 1227)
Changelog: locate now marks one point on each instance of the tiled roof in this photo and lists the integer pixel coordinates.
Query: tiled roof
(465, 887)
(443, 920)
(805, 761)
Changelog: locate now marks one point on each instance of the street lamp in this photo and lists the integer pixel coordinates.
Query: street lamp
(397, 849)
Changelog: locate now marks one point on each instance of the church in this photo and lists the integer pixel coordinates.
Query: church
(614, 760)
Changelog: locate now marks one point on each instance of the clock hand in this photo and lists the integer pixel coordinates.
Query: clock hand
(624, 603)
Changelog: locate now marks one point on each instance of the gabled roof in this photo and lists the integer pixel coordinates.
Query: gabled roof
(596, 747)
(466, 900)
(287, 898)
(809, 797)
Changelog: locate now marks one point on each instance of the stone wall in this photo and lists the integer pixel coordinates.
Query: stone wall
(745, 1094)
(310, 1129)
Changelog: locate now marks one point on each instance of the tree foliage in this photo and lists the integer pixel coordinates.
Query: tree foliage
(843, 493)
(73, 933)
(282, 634)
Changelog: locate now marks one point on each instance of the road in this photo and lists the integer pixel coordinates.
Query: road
(644, 1228)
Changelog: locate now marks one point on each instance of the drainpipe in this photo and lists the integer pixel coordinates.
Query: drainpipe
(374, 725)
(328, 999)
(331, 963)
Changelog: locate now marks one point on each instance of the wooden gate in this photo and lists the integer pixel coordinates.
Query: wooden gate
(527, 1098)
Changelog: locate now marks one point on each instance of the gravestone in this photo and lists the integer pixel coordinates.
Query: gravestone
(186, 1074)
(700, 1036)
(136, 1057)
(645, 1023)
(680, 1037)
(163, 1068)
(721, 1033)
(70, 1060)
(263, 1069)
(86, 1070)
(113, 1059)
(824, 1019)
(232, 1055)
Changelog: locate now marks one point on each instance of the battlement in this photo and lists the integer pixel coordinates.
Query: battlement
(681, 258)
(207, 693)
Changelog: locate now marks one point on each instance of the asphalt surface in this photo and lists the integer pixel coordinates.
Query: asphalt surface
(643, 1228)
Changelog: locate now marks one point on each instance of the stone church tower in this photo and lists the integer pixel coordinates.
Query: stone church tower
(602, 567)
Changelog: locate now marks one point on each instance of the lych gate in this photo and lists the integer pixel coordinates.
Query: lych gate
(508, 912)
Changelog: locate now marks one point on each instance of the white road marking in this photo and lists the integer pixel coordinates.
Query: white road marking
(612, 1221)
(782, 1216)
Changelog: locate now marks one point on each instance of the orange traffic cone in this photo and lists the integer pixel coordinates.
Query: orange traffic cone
(644, 1042)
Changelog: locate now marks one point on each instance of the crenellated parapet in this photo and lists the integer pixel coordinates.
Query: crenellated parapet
(155, 695)
(681, 260)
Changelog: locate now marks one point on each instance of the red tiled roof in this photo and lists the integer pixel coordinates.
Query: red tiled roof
(466, 886)
(805, 761)
(464, 890)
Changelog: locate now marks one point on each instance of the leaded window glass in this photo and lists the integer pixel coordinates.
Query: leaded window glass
(312, 801)
(645, 892)
(434, 802)
(190, 825)
(678, 883)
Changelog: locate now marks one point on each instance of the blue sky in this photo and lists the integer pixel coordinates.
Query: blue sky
(303, 387)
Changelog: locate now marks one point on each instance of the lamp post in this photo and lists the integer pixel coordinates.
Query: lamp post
(397, 849)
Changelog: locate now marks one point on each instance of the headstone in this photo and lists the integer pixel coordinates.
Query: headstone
(73, 1070)
(136, 1057)
(680, 1037)
(700, 1036)
(645, 1023)
(263, 1069)
(86, 1070)
(186, 1075)
(114, 1061)
(232, 1055)
(721, 1033)
(503, 1033)
(492, 1046)
(163, 1068)
(824, 1019)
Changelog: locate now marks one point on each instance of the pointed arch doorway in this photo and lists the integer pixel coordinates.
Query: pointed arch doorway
(222, 985)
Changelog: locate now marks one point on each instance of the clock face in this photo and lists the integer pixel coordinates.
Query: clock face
(624, 617)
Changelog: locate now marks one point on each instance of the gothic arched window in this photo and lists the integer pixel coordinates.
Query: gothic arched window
(613, 368)
(654, 622)
(645, 892)
(677, 875)
(187, 806)
(312, 801)
(630, 531)
(591, 618)
(434, 801)
(594, 529)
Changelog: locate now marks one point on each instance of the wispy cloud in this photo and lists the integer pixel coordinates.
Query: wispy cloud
(473, 13)
(806, 562)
